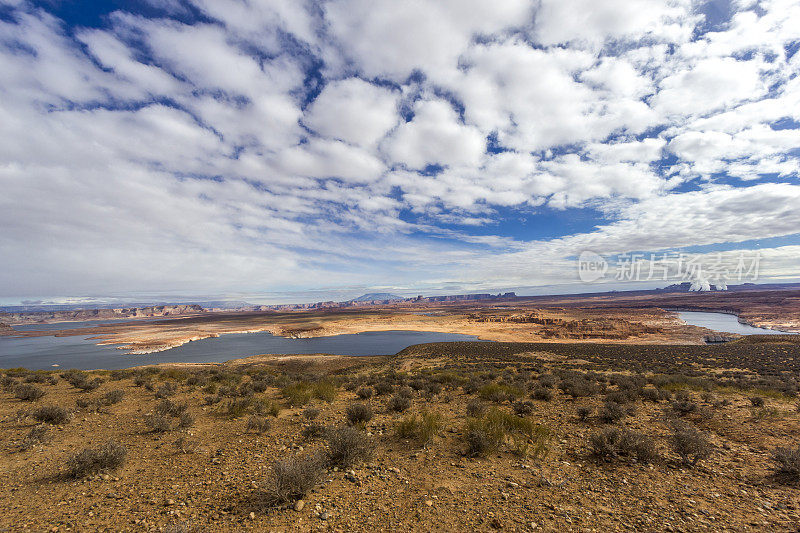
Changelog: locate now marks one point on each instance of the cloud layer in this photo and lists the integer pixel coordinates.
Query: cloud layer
(229, 146)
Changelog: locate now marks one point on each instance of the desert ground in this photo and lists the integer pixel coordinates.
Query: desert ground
(548, 436)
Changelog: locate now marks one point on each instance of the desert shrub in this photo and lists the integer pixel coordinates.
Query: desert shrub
(291, 478)
(52, 414)
(418, 384)
(542, 394)
(487, 434)
(786, 464)
(36, 377)
(325, 391)
(28, 393)
(433, 387)
(117, 375)
(612, 412)
(691, 444)
(266, 407)
(80, 380)
(185, 445)
(584, 413)
(757, 401)
(347, 446)
(109, 456)
(142, 381)
(185, 421)
(495, 392)
(313, 431)
(383, 387)
(358, 413)
(398, 403)
(170, 408)
(310, 413)
(619, 396)
(650, 395)
(166, 390)
(237, 407)
(365, 393)
(158, 423)
(577, 387)
(522, 407)
(7, 383)
(613, 443)
(259, 424)
(259, 386)
(709, 398)
(421, 428)
(475, 408)
(682, 403)
(212, 399)
(37, 435)
(406, 392)
(665, 395)
(472, 386)
(113, 396)
(548, 381)
(483, 437)
(297, 394)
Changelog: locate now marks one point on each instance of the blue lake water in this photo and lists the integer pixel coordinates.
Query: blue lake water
(723, 323)
(59, 326)
(81, 353)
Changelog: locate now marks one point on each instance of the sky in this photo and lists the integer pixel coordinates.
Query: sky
(291, 150)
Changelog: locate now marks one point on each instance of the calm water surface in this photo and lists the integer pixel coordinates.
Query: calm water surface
(724, 323)
(79, 352)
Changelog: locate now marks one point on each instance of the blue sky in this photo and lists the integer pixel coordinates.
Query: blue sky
(288, 150)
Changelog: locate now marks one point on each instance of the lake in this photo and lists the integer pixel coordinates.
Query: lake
(724, 323)
(78, 352)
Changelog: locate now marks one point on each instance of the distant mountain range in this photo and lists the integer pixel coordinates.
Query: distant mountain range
(377, 296)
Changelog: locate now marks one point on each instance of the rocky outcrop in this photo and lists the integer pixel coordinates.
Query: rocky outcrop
(5, 329)
(102, 314)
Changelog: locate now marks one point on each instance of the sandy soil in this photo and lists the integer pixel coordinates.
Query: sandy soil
(214, 485)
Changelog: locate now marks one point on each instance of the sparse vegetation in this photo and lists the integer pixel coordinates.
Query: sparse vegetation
(52, 414)
(28, 393)
(421, 428)
(258, 424)
(291, 478)
(398, 403)
(691, 444)
(347, 446)
(107, 457)
(358, 414)
(786, 464)
(614, 443)
(37, 435)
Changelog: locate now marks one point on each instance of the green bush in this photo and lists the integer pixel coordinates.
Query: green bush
(422, 428)
(495, 392)
(297, 394)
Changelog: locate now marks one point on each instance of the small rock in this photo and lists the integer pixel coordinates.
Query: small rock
(429, 503)
(252, 515)
(169, 502)
(324, 515)
(299, 505)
